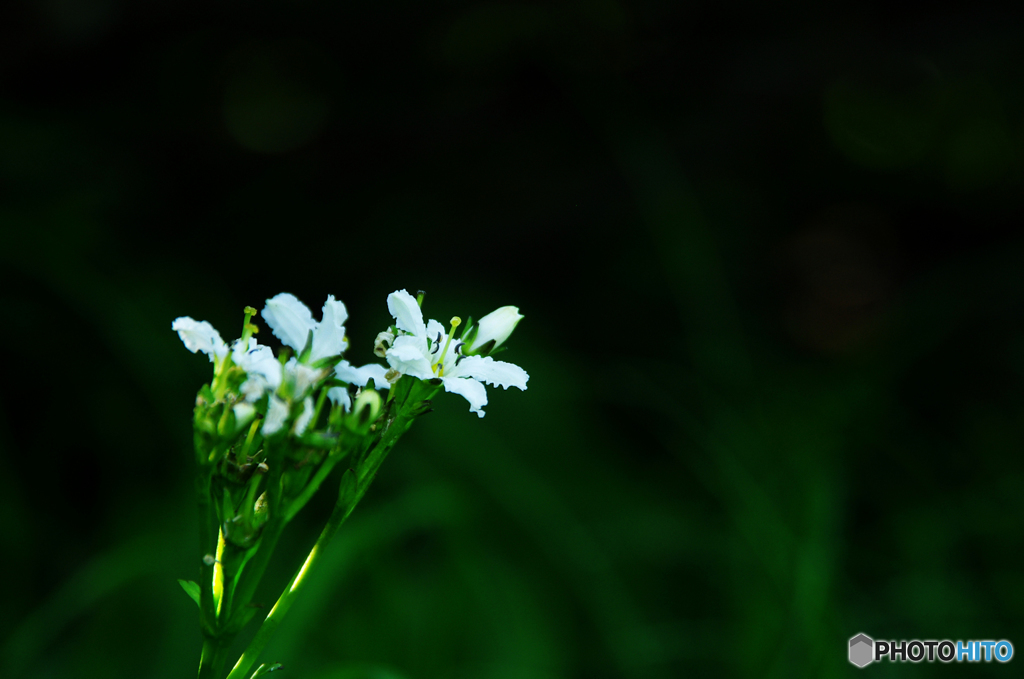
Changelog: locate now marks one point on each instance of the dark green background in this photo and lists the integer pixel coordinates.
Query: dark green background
(770, 263)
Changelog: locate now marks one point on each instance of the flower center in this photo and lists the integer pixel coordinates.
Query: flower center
(438, 365)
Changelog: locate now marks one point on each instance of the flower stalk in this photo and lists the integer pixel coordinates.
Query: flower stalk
(270, 430)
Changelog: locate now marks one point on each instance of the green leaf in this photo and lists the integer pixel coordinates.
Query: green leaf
(191, 588)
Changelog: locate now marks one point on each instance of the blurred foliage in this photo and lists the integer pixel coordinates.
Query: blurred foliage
(769, 259)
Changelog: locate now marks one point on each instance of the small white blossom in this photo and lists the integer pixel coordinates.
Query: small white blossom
(200, 336)
(291, 322)
(262, 368)
(361, 375)
(426, 351)
(346, 372)
(302, 376)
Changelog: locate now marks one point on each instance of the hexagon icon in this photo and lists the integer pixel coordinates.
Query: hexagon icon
(862, 649)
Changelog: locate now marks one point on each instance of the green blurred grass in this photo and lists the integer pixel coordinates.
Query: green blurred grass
(775, 341)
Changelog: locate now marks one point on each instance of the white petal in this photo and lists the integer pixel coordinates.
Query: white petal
(289, 319)
(277, 413)
(303, 376)
(434, 328)
(407, 313)
(253, 388)
(407, 356)
(329, 336)
(486, 369)
(200, 336)
(473, 391)
(346, 372)
(257, 360)
(340, 395)
(244, 412)
(302, 421)
(497, 326)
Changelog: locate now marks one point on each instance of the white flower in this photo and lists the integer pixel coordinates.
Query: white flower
(424, 352)
(277, 413)
(263, 369)
(291, 322)
(360, 376)
(200, 336)
(496, 326)
(302, 376)
(346, 372)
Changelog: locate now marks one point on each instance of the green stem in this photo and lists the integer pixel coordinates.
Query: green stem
(215, 653)
(342, 509)
(353, 487)
(253, 572)
(208, 532)
(296, 505)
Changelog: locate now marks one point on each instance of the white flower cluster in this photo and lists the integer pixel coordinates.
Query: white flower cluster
(417, 348)
(291, 322)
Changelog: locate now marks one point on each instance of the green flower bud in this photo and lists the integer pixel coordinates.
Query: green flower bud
(367, 405)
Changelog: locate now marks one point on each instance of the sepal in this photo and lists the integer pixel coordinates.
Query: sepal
(483, 350)
(328, 361)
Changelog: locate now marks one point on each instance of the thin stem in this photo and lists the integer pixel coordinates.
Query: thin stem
(319, 406)
(353, 487)
(253, 572)
(215, 653)
(244, 457)
(296, 505)
(208, 532)
(341, 511)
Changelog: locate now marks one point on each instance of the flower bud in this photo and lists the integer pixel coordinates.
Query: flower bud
(383, 343)
(493, 329)
(244, 413)
(367, 405)
(260, 511)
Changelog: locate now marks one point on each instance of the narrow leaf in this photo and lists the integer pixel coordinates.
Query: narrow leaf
(191, 588)
(265, 669)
